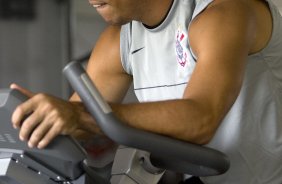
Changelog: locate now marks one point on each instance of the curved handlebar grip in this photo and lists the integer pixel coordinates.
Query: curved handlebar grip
(182, 156)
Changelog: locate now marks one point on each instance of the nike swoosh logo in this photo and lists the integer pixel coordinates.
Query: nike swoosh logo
(137, 50)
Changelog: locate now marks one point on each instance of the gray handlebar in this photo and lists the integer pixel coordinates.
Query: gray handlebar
(165, 152)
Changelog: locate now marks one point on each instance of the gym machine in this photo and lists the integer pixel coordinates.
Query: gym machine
(142, 157)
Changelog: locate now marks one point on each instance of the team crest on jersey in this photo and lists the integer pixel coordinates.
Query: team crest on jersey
(180, 47)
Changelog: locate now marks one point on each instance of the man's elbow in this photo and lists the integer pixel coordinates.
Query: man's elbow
(203, 132)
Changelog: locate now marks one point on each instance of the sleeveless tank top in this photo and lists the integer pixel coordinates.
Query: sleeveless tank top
(162, 62)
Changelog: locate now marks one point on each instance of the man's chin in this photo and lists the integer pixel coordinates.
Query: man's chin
(116, 23)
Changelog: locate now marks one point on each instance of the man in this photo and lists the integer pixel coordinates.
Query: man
(206, 72)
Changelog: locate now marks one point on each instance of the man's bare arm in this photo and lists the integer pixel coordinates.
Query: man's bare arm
(221, 37)
(105, 69)
(49, 116)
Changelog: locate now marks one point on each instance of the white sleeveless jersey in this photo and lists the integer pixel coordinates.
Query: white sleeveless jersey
(161, 62)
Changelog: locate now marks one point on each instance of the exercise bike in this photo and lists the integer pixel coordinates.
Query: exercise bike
(142, 157)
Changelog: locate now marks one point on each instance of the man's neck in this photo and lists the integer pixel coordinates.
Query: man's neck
(156, 12)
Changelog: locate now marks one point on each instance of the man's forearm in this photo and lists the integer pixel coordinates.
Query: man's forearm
(181, 119)
(87, 123)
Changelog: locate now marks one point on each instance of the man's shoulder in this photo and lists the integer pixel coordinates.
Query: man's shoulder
(226, 8)
(224, 14)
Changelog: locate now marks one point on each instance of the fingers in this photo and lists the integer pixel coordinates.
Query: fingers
(29, 117)
(29, 125)
(21, 112)
(38, 137)
(43, 117)
(39, 130)
(48, 137)
(21, 89)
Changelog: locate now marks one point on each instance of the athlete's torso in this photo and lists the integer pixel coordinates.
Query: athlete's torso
(161, 62)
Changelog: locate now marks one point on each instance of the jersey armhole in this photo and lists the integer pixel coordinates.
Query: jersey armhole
(125, 48)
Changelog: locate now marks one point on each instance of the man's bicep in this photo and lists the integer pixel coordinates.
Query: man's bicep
(105, 69)
(221, 41)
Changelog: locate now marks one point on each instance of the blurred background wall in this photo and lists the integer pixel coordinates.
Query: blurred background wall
(39, 37)
(34, 44)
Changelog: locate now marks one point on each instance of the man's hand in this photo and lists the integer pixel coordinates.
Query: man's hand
(42, 117)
